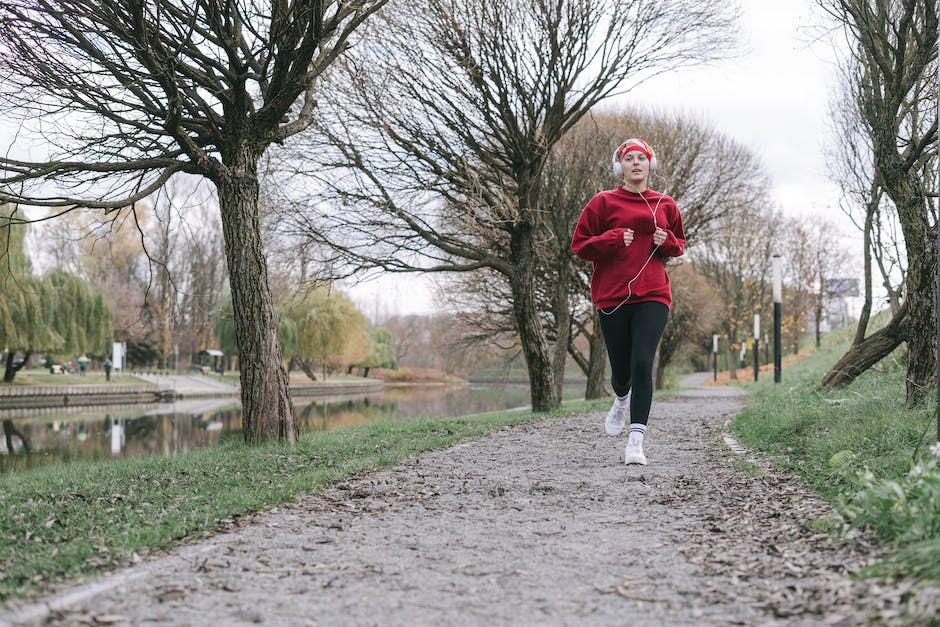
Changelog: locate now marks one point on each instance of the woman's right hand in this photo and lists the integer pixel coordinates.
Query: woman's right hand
(628, 237)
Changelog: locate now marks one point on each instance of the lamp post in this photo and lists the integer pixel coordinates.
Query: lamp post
(756, 345)
(715, 354)
(778, 293)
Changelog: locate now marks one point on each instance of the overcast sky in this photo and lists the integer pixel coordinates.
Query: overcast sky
(773, 98)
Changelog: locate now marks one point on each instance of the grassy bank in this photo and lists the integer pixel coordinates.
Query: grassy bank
(858, 447)
(80, 518)
(42, 376)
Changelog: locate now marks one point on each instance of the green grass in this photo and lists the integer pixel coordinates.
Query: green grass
(80, 518)
(42, 376)
(518, 372)
(855, 446)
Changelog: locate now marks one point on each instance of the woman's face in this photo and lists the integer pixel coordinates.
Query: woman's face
(636, 167)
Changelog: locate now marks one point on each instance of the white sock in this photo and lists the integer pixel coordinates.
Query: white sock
(622, 400)
(636, 427)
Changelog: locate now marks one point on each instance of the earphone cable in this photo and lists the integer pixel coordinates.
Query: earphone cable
(653, 210)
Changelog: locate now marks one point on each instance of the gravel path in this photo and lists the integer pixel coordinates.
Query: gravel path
(535, 524)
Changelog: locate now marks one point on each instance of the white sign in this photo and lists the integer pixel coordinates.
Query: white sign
(117, 355)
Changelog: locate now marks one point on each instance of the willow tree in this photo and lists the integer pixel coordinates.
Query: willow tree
(329, 330)
(131, 92)
(58, 313)
(441, 129)
(22, 327)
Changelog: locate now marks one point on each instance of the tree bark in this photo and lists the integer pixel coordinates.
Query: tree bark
(563, 328)
(659, 374)
(267, 413)
(9, 372)
(597, 364)
(308, 368)
(525, 312)
(865, 314)
(862, 356)
(817, 324)
(921, 327)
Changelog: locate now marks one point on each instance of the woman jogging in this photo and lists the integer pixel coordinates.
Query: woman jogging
(627, 233)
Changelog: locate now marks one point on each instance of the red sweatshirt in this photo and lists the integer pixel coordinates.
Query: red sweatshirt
(599, 238)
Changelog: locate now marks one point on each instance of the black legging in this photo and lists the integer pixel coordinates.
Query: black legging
(632, 334)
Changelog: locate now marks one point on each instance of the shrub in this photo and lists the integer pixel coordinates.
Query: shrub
(904, 512)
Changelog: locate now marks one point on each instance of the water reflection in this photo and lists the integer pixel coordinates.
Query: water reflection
(53, 436)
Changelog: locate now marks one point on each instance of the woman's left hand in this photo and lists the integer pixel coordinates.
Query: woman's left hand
(659, 236)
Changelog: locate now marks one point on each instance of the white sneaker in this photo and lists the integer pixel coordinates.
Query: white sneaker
(617, 416)
(634, 451)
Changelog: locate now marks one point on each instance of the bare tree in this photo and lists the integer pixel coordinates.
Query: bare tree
(735, 256)
(575, 171)
(439, 142)
(693, 316)
(135, 91)
(813, 256)
(199, 269)
(710, 175)
(894, 81)
(161, 266)
(108, 254)
(862, 198)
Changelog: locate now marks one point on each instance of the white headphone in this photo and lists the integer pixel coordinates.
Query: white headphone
(618, 155)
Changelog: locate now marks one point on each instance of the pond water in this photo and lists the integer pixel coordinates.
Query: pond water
(107, 432)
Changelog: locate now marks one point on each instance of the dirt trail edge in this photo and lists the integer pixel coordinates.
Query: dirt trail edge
(540, 523)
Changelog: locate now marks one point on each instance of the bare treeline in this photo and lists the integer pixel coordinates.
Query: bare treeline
(439, 129)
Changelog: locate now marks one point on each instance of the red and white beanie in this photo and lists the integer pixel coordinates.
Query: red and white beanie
(633, 144)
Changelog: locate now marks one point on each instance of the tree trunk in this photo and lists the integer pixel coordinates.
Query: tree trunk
(267, 413)
(9, 372)
(817, 325)
(865, 314)
(594, 365)
(308, 368)
(659, 374)
(921, 327)
(525, 313)
(862, 356)
(597, 365)
(562, 331)
(896, 79)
